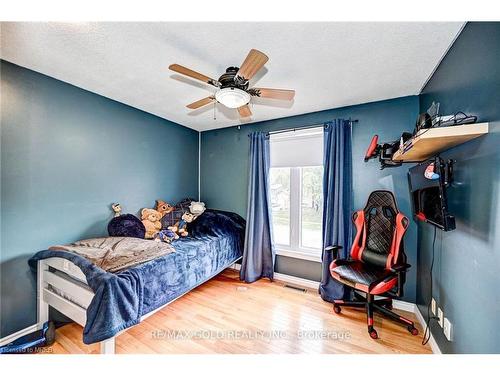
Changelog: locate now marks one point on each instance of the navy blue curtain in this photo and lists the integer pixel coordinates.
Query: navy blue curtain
(258, 253)
(337, 202)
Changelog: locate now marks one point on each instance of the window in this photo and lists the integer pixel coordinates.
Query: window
(296, 185)
(311, 215)
(280, 203)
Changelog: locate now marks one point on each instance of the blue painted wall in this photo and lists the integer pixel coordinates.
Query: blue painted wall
(467, 267)
(66, 155)
(224, 167)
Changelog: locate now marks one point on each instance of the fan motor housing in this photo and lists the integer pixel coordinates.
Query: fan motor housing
(228, 79)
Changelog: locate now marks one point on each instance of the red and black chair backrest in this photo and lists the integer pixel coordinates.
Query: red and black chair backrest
(380, 228)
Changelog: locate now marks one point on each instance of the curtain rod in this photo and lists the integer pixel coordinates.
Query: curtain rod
(304, 127)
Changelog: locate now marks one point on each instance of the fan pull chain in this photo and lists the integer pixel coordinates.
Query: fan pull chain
(215, 116)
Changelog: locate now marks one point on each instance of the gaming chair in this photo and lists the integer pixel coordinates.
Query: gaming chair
(377, 262)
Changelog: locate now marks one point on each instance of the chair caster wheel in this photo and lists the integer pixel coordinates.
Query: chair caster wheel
(413, 330)
(336, 309)
(373, 334)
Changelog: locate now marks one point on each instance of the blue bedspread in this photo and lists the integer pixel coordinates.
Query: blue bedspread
(215, 241)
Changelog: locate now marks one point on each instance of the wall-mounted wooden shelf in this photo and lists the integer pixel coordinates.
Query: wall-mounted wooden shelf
(429, 142)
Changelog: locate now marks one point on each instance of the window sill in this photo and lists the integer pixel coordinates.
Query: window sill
(298, 255)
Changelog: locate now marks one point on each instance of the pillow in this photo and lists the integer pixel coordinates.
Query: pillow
(126, 226)
(174, 216)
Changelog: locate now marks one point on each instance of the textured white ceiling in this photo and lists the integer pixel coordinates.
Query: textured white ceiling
(328, 64)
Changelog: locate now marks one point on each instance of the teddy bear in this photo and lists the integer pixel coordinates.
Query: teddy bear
(181, 226)
(163, 207)
(151, 220)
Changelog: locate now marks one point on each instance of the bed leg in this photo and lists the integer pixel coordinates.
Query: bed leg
(108, 346)
(42, 306)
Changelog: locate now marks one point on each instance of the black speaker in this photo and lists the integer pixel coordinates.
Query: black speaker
(424, 121)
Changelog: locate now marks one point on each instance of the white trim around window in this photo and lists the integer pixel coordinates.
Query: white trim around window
(298, 254)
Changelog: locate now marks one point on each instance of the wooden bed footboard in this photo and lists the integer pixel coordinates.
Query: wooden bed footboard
(62, 285)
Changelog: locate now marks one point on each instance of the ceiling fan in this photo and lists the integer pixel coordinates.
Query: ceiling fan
(233, 91)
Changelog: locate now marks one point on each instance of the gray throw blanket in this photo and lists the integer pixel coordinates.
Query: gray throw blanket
(114, 254)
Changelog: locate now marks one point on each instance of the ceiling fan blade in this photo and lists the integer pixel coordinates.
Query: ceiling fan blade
(272, 93)
(191, 73)
(201, 102)
(252, 64)
(244, 111)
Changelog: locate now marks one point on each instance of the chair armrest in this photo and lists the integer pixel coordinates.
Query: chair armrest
(396, 269)
(333, 247)
(397, 272)
(400, 268)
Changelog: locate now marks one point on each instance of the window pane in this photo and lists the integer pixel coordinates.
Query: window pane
(280, 204)
(311, 206)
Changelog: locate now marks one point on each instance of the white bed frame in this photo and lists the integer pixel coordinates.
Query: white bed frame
(73, 297)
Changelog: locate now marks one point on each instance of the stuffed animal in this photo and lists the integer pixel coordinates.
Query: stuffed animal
(166, 235)
(181, 226)
(197, 208)
(151, 220)
(117, 209)
(163, 207)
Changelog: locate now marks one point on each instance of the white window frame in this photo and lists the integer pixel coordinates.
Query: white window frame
(295, 249)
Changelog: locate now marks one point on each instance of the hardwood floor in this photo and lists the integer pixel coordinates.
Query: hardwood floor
(227, 316)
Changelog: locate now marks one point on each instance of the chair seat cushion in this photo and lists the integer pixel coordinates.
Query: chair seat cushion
(360, 275)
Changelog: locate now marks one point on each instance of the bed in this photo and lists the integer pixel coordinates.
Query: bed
(105, 304)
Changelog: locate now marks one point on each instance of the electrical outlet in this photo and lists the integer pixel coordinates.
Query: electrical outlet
(441, 317)
(448, 329)
(433, 306)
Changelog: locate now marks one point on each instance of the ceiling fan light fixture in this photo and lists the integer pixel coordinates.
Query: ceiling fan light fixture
(232, 97)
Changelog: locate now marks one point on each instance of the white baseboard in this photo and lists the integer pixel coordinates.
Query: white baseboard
(403, 305)
(297, 281)
(411, 307)
(14, 336)
(235, 266)
(423, 323)
(287, 278)
(398, 304)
